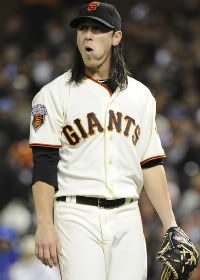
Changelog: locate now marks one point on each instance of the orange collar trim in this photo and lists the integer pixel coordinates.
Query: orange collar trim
(110, 92)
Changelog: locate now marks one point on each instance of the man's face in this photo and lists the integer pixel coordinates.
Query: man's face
(95, 43)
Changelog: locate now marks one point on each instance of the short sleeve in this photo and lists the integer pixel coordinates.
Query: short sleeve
(154, 148)
(46, 120)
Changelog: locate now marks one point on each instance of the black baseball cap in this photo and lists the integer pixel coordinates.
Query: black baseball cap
(101, 12)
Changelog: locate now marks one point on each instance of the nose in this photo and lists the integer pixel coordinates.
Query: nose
(88, 33)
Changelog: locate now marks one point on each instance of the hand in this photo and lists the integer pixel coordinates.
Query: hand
(47, 244)
(178, 255)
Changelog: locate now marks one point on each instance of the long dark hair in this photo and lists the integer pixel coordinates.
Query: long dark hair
(119, 70)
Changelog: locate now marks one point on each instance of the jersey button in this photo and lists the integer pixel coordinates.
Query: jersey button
(110, 162)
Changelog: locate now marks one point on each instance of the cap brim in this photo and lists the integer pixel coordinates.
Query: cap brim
(77, 21)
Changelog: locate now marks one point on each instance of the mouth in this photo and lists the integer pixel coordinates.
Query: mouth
(88, 49)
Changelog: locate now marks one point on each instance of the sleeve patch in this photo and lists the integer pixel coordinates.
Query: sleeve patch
(38, 112)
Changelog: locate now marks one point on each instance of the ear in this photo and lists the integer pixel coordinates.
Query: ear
(117, 38)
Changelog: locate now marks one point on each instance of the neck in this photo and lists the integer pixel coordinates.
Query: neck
(101, 72)
(96, 75)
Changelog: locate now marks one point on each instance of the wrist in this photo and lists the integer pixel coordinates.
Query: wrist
(168, 225)
(170, 222)
(44, 221)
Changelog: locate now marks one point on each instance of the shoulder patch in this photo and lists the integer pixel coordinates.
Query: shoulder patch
(38, 112)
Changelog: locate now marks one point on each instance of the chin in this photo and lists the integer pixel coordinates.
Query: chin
(90, 64)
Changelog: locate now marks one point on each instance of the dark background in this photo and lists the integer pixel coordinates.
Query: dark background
(161, 46)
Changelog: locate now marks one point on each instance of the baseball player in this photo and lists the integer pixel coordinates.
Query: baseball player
(95, 145)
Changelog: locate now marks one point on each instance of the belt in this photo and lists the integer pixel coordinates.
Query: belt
(98, 201)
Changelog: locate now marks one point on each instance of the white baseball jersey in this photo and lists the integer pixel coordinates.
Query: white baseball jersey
(103, 138)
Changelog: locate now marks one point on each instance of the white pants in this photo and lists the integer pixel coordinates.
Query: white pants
(100, 244)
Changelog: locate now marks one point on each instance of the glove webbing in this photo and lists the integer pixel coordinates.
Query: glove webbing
(166, 274)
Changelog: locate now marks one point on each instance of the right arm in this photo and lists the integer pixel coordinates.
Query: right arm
(47, 245)
(45, 140)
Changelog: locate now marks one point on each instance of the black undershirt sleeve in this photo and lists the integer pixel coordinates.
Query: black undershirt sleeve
(45, 165)
(152, 163)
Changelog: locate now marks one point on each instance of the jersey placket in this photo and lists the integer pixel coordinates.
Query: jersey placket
(108, 145)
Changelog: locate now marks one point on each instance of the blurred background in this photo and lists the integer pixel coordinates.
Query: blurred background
(161, 46)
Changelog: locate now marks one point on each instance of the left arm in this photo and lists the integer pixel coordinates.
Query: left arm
(155, 185)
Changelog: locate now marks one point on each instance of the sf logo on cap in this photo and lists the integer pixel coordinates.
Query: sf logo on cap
(93, 6)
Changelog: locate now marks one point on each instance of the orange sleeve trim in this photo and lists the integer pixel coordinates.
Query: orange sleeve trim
(152, 158)
(44, 145)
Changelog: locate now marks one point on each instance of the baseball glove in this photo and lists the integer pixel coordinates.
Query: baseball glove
(178, 254)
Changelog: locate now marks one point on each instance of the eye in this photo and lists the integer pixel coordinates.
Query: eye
(96, 28)
(82, 27)
(101, 28)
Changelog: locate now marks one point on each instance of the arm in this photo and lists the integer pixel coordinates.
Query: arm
(47, 244)
(45, 140)
(155, 184)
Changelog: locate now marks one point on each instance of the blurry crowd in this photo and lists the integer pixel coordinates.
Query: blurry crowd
(161, 46)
